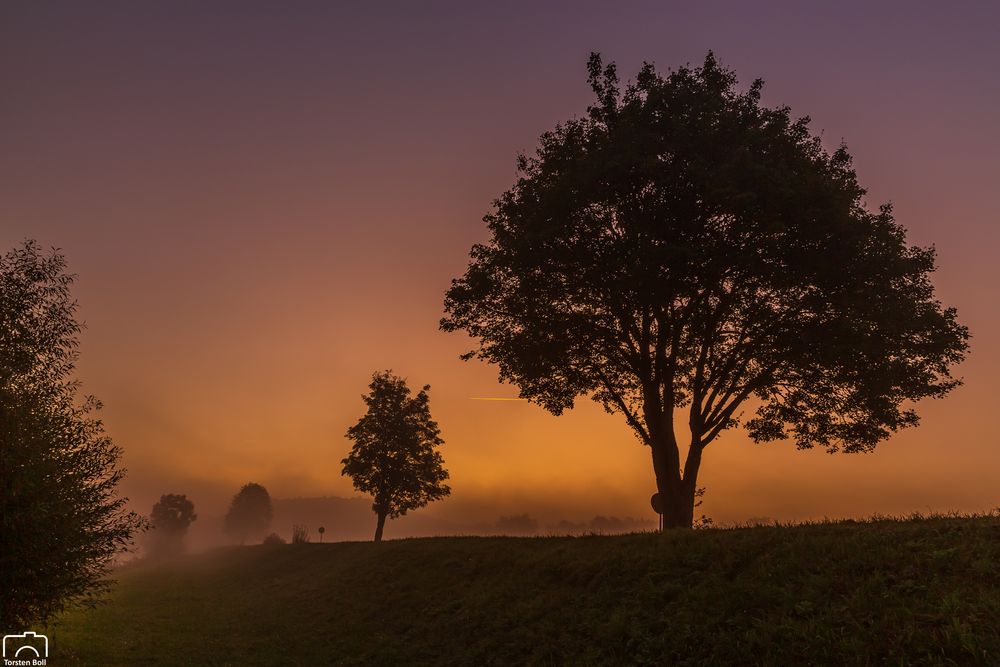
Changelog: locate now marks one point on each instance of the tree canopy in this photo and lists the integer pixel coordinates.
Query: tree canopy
(394, 457)
(63, 520)
(170, 519)
(682, 254)
(250, 513)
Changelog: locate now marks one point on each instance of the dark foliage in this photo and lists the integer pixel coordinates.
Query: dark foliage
(680, 254)
(250, 513)
(63, 521)
(393, 458)
(169, 520)
(274, 539)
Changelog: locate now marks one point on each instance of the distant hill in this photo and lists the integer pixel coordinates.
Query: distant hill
(922, 591)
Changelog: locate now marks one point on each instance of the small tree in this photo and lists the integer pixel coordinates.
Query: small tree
(170, 519)
(682, 254)
(393, 458)
(62, 518)
(249, 514)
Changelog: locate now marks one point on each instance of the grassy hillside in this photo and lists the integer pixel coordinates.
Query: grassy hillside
(916, 591)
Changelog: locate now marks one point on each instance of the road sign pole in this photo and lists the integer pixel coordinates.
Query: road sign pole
(656, 502)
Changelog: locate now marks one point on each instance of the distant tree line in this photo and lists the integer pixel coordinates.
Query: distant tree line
(526, 525)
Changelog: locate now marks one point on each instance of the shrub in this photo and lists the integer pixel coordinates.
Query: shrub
(300, 534)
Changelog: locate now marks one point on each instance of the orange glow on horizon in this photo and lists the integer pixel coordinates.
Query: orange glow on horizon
(263, 218)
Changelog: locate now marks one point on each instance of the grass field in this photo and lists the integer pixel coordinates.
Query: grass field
(920, 591)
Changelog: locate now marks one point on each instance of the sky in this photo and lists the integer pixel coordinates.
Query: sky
(265, 202)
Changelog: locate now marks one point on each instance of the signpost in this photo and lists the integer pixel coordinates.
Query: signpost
(656, 502)
(321, 531)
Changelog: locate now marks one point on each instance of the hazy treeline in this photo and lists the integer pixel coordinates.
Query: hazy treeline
(349, 519)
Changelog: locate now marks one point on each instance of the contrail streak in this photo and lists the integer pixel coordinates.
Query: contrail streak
(478, 398)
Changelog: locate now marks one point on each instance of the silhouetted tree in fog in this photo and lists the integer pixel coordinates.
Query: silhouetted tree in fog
(62, 518)
(681, 253)
(249, 514)
(169, 521)
(393, 458)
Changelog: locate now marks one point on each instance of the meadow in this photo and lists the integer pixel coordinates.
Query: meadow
(914, 591)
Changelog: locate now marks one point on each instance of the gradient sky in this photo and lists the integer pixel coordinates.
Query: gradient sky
(266, 201)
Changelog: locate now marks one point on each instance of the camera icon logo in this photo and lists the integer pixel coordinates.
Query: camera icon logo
(25, 645)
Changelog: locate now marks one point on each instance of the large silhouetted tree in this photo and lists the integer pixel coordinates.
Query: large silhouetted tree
(62, 518)
(394, 457)
(682, 254)
(170, 519)
(250, 514)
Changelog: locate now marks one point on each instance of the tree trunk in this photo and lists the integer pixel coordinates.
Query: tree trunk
(676, 491)
(380, 526)
(679, 506)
